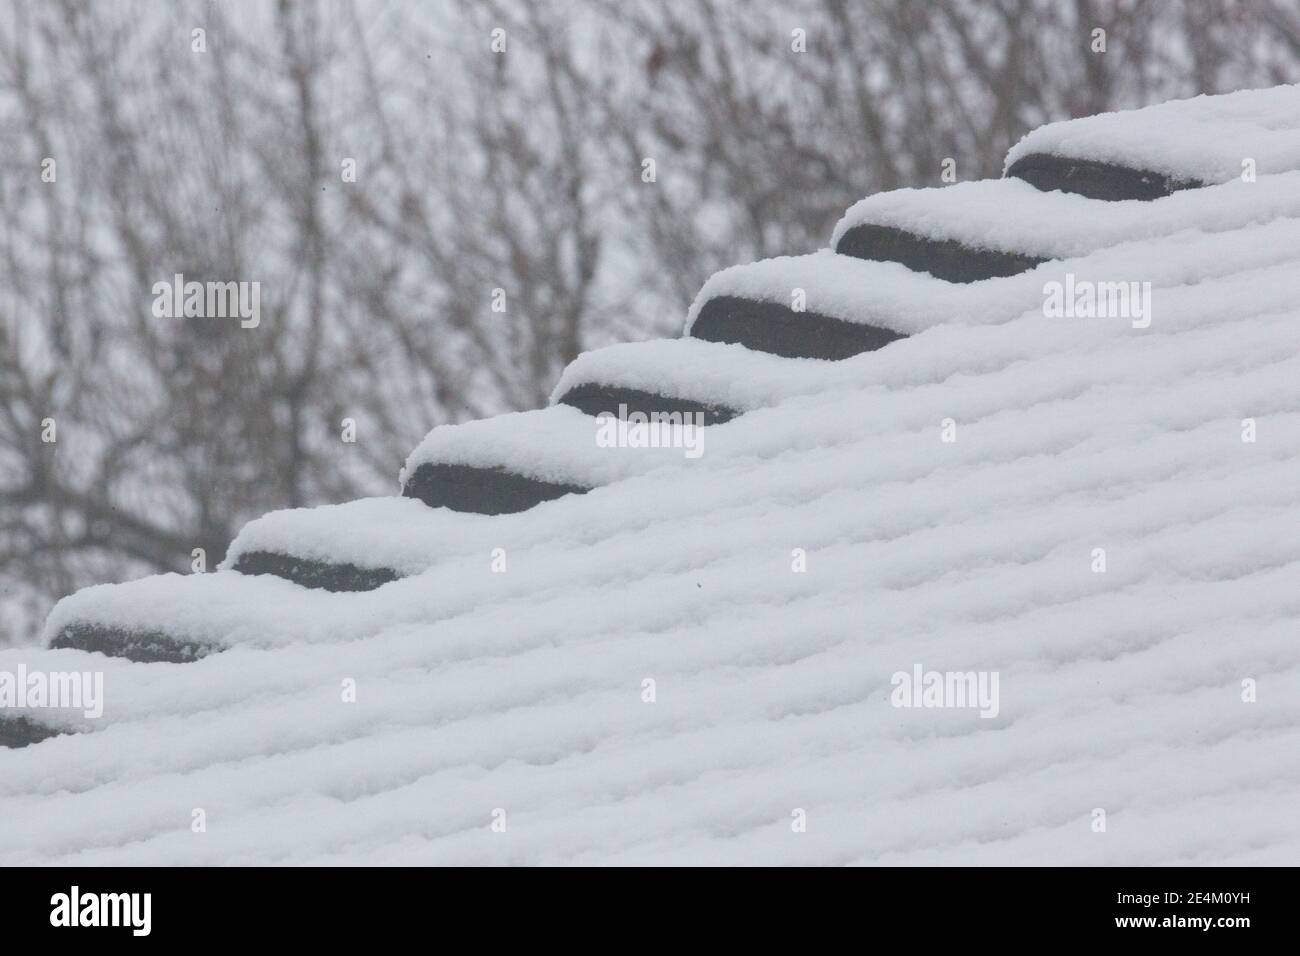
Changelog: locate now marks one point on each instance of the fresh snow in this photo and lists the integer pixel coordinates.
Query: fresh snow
(892, 296)
(399, 533)
(1204, 138)
(522, 690)
(968, 373)
(556, 444)
(1009, 215)
(710, 372)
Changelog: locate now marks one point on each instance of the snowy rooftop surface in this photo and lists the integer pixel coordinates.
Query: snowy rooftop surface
(1204, 139)
(1009, 215)
(524, 690)
(554, 444)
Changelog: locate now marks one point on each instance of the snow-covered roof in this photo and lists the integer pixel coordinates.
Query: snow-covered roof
(1202, 140)
(676, 658)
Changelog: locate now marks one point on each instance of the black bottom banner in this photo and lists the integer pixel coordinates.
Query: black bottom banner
(336, 906)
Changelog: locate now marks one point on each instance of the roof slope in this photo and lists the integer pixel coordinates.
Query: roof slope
(480, 689)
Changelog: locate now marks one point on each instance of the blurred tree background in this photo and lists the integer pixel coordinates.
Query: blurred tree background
(214, 139)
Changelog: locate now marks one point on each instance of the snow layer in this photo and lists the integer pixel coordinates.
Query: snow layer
(524, 691)
(1009, 215)
(397, 533)
(892, 296)
(913, 384)
(557, 444)
(1204, 138)
(711, 372)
